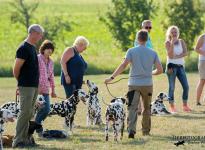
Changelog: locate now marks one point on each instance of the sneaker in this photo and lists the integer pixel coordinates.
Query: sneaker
(173, 109)
(186, 108)
(131, 136)
(19, 145)
(145, 133)
(198, 104)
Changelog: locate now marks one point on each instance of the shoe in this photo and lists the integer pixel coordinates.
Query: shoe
(131, 136)
(20, 145)
(198, 104)
(146, 134)
(186, 108)
(173, 109)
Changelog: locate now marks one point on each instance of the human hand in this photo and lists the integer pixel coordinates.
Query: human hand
(67, 79)
(107, 80)
(53, 95)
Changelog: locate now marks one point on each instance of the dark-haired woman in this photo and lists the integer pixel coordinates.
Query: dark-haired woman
(46, 80)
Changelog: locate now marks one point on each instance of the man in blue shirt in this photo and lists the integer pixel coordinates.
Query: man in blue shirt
(147, 25)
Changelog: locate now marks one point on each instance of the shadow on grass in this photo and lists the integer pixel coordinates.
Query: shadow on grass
(188, 117)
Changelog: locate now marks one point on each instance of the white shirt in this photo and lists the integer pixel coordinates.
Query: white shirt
(178, 49)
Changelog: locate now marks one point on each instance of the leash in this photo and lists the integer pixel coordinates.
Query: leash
(113, 83)
(17, 99)
(60, 97)
(1, 147)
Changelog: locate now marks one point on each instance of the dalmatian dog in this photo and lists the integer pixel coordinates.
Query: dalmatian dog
(158, 107)
(15, 107)
(5, 116)
(115, 113)
(67, 108)
(94, 108)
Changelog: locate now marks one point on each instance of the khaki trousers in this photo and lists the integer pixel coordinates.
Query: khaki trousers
(146, 93)
(28, 97)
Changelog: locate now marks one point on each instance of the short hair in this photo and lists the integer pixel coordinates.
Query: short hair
(168, 37)
(81, 40)
(142, 35)
(146, 21)
(46, 45)
(35, 28)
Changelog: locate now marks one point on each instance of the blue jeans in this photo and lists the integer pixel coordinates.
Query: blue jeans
(43, 112)
(179, 72)
(70, 88)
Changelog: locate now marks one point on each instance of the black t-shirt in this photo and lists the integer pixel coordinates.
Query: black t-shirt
(29, 73)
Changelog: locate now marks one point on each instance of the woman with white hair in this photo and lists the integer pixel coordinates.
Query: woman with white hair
(73, 66)
(176, 51)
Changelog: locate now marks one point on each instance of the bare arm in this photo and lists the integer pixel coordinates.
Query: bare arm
(184, 53)
(118, 71)
(170, 51)
(17, 67)
(158, 69)
(199, 44)
(68, 53)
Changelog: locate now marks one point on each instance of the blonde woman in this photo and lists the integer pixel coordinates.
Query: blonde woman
(176, 51)
(73, 66)
(200, 49)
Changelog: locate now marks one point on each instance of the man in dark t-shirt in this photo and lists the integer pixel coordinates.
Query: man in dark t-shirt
(26, 73)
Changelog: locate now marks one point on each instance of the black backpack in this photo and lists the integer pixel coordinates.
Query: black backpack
(58, 134)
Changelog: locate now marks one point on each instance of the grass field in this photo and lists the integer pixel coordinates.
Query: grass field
(84, 18)
(92, 138)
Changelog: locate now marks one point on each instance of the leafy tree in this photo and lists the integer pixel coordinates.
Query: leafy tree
(23, 13)
(124, 18)
(187, 15)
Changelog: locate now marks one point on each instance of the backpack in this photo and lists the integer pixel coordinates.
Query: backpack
(58, 134)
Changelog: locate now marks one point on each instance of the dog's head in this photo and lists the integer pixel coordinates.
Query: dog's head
(119, 100)
(162, 97)
(12, 106)
(40, 101)
(80, 94)
(92, 87)
(7, 115)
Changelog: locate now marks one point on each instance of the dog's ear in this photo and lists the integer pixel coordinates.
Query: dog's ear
(123, 100)
(113, 100)
(75, 93)
(160, 95)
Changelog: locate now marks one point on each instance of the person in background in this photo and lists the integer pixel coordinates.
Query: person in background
(73, 66)
(26, 72)
(176, 51)
(46, 80)
(200, 49)
(146, 25)
(140, 82)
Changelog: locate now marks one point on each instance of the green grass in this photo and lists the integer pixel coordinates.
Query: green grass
(92, 138)
(102, 55)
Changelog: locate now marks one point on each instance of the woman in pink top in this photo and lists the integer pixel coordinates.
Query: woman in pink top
(46, 80)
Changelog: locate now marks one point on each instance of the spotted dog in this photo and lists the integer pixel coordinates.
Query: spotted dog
(158, 107)
(115, 112)
(67, 108)
(15, 107)
(94, 108)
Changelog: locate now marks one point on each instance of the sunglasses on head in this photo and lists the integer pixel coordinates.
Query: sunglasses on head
(148, 27)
